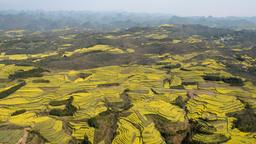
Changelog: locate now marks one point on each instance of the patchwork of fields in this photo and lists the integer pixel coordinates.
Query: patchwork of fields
(162, 98)
(130, 100)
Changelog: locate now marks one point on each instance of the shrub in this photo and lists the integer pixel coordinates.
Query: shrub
(177, 87)
(171, 66)
(108, 85)
(18, 112)
(83, 75)
(57, 112)
(41, 81)
(69, 108)
(212, 77)
(246, 120)
(68, 111)
(233, 81)
(240, 58)
(7, 92)
(179, 102)
(93, 122)
(86, 140)
(189, 83)
(58, 103)
(26, 74)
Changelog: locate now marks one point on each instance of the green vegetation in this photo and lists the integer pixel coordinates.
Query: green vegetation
(245, 120)
(69, 108)
(18, 112)
(93, 122)
(10, 90)
(234, 81)
(41, 81)
(26, 74)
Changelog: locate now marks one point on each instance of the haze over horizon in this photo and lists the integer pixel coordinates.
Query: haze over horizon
(216, 8)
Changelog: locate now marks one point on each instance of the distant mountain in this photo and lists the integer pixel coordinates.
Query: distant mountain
(105, 21)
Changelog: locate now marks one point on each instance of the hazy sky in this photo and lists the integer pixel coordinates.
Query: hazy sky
(175, 7)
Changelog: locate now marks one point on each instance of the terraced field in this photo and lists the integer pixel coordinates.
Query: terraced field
(152, 98)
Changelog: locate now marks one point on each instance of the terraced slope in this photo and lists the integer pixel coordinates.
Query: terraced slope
(127, 104)
(159, 88)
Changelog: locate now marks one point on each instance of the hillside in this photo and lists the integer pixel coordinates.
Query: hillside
(148, 85)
